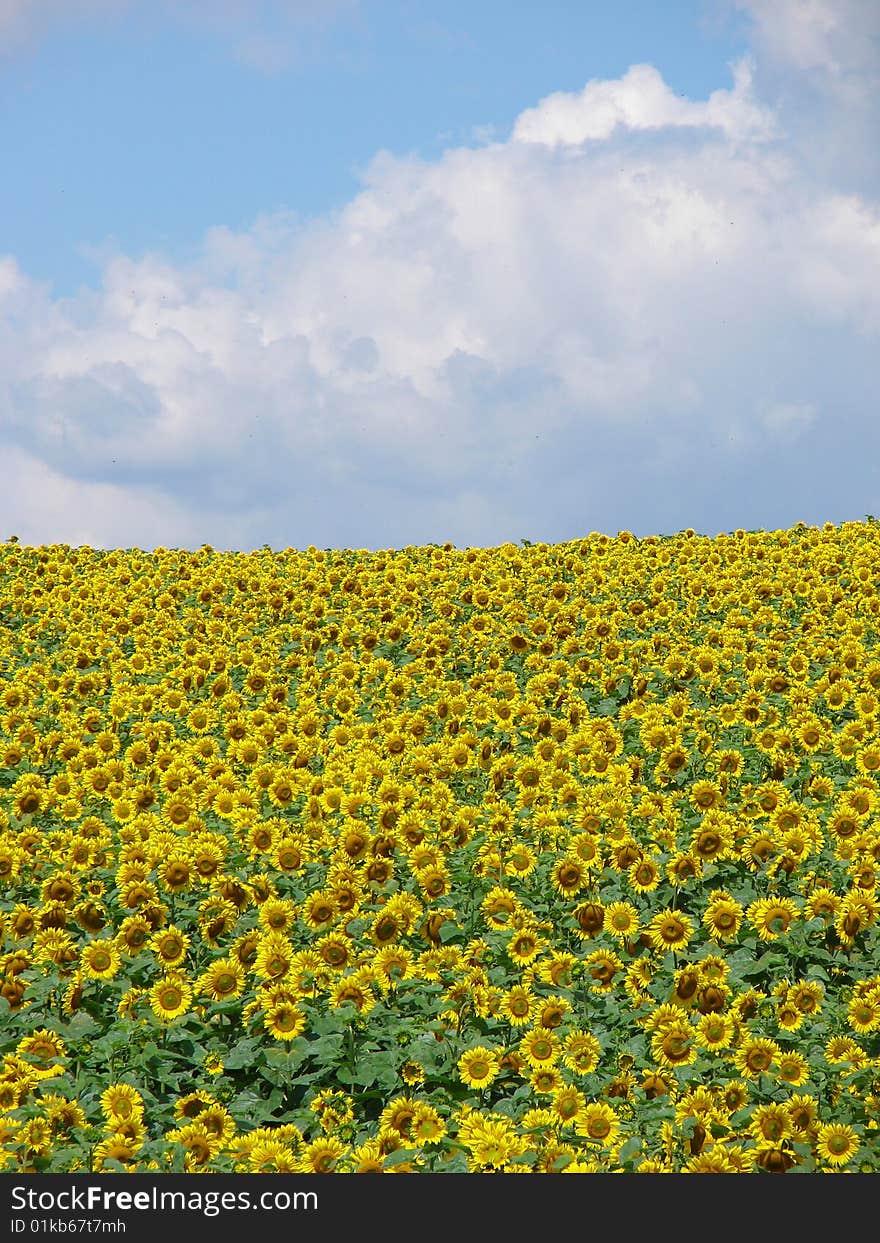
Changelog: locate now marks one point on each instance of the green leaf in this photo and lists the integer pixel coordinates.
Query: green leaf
(630, 1149)
(242, 1054)
(400, 1156)
(80, 1026)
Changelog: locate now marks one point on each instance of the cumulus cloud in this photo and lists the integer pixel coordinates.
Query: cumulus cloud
(636, 310)
(818, 64)
(833, 37)
(641, 100)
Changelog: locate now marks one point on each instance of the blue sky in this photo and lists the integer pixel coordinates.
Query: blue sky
(148, 131)
(371, 274)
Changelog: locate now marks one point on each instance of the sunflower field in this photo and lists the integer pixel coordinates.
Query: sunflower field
(523, 859)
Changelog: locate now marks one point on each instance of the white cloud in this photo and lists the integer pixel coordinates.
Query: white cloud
(832, 37)
(818, 63)
(72, 512)
(641, 100)
(618, 316)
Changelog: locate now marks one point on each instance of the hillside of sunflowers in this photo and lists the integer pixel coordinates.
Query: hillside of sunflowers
(522, 859)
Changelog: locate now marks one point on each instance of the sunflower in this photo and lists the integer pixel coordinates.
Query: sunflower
(638, 978)
(287, 856)
(716, 1161)
(843, 1051)
(643, 876)
(524, 946)
(218, 1122)
(282, 791)
(858, 911)
(366, 1158)
(132, 1130)
(319, 910)
(54, 945)
(713, 969)
(274, 957)
(674, 759)
(175, 873)
(755, 1056)
(715, 1032)
(569, 876)
(121, 1102)
(521, 861)
(491, 1140)
(393, 964)
(868, 759)
(412, 1073)
(90, 916)
(803, 1112)
(198, 1144)
(681, 868)
(434, 881)
(603, 967)
(355, 988)
(728, 762)
(788, 1016)
(670, 930)
(428, 1126)
(770, 1124)
(207, 858)
(169, 945)
(598, 1122)
(170, 996)
(479, 1066)
(734, 1095)
(836, 1144)
(100, 960)
(335, 951)
(192, 1105)
(581, 1052)
(223, 979)
(541, 1048)
(590, 918)
(685, 983)
(586, 848)
(115, 1148)
(568, 1104)
(843, 824)
(621, 920)
(42, 1045)
(863, 1014)
(284, 1020)
(398, 1115)
(675, 1044)
(278, 915)
(518, 1005)
(558, 969)
(551, 1011)
(321, 1156)
(820, 787)
(822, 903)
(772, 917)
(386, 927)
(22, 921)
(706, 795)
(792, 1068)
